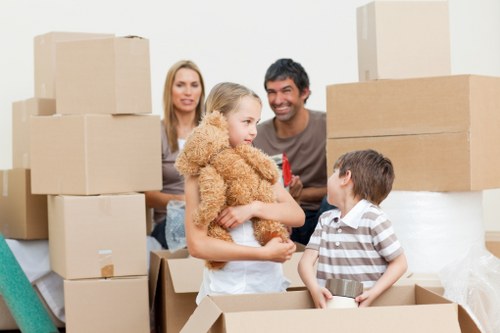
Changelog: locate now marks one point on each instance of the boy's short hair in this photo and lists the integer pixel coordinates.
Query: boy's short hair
(372, 174)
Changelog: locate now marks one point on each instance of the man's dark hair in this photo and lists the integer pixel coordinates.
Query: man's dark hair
(285, 68)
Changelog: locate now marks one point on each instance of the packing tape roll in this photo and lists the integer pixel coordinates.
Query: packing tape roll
(20, 297)
(435, 228)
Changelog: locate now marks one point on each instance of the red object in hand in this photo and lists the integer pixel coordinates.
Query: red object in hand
(286, 170)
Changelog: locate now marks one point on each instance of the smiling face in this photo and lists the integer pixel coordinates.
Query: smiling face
(186, 90)
(243, 121)
(285, 99)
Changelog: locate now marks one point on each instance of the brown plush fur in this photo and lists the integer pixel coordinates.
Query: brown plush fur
(228, 177)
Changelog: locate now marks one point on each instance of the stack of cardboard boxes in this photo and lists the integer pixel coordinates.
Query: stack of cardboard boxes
(439, 130)
(93, 145)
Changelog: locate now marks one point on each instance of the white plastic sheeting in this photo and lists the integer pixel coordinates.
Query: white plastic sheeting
(435, 228)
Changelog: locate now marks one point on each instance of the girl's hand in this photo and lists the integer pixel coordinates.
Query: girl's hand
(231, 217)
(279, 250)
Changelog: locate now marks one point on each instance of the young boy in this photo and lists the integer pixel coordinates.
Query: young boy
(355, 241)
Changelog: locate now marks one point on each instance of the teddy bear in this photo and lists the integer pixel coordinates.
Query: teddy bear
(228, 177)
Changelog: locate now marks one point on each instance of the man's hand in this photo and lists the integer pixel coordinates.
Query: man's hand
(295, 188)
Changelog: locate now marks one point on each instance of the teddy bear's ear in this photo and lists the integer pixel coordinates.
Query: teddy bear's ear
(205, 141)
(215, 118)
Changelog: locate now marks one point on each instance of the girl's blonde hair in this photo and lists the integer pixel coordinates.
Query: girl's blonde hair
(169, 117)
(226, 96)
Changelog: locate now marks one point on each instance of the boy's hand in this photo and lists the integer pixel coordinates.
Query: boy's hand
(320, 297)
(365, 299)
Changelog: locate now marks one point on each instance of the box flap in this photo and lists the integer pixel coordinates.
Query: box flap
(427, 296)
(203, 317)
(154, 272)
(186, 274)
(467, 324)
(264, 302)
(374, 319)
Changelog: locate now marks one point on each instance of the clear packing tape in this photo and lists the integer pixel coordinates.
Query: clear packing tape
(473, 281)
(435, 228)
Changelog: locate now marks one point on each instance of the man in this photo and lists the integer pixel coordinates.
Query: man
(301, 134)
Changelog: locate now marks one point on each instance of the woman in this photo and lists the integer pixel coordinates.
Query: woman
(183, 96)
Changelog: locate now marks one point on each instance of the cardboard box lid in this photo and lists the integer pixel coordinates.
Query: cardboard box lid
(265, 313)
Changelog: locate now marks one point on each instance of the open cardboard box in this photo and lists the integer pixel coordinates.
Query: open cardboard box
(175, 279)
(402, 308)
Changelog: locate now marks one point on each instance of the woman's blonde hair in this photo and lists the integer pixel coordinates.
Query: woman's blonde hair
(226, 96)
(169, 117)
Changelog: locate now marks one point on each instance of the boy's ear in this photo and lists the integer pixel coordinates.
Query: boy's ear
(347, 177)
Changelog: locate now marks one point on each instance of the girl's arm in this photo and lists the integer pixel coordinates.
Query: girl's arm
(285, 210)
(208, 248)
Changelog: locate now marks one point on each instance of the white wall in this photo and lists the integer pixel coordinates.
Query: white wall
(230, 40)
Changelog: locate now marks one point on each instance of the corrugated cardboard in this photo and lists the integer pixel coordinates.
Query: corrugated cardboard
(21, 112)
(97, 236)
(409, 308)
(107, 305)
(416, 123)
(493, 242)
(109, 75)
(394, 39)
(95, 154)
(45, 58)
(174, 282)
(22, 214)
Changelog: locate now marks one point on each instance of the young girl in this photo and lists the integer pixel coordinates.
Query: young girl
(250, 267)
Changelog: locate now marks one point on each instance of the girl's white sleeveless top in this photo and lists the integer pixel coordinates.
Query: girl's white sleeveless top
(243, 277)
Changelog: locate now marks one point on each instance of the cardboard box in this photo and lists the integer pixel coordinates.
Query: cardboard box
(393, 39)
(109, 75)
(97, 236)
(22, 214)
(21, 112)
(107, 305)
(399, 309)
(416, 123)
(174, 282)
(95, 154)
(45, 58)
(492, 239)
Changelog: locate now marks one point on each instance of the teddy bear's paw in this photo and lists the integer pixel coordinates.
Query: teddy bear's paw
(265, 230)
(215, 265)
(260, 162)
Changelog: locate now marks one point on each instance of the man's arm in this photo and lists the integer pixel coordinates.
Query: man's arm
(312, 193)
